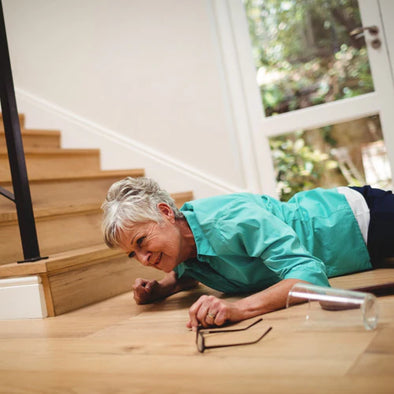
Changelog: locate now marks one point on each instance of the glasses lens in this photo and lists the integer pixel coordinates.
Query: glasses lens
(200, 342)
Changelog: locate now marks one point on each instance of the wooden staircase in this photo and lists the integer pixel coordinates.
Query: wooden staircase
(67, 188)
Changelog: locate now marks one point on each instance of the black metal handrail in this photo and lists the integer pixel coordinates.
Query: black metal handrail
(16, 155)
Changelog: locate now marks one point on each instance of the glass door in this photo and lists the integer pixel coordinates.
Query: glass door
(327, 91)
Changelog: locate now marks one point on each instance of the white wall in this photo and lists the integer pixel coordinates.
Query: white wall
(143, 81)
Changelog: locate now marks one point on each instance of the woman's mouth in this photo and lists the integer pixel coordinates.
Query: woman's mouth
(157, 262)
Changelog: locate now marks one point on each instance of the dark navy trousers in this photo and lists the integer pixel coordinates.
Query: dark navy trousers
(381, 227)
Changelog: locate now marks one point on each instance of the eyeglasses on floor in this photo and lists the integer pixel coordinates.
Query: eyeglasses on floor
(200, 338)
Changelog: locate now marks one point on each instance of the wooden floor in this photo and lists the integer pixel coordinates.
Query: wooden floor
(119, 347)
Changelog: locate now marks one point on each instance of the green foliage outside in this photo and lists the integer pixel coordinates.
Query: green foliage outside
(305, 55)
(298, 166)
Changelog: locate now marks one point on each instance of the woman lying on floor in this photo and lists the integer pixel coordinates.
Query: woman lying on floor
(246, 243)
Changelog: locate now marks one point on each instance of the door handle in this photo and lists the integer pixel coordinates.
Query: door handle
(359, 31)
(373, 30)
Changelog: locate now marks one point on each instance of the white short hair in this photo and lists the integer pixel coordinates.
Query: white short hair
(132, 201)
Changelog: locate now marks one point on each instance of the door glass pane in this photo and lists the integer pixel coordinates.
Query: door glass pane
(304, 53)
(349, 153)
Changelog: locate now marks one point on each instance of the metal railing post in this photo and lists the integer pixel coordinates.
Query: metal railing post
(20, 182)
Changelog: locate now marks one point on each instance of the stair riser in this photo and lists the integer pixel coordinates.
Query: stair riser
(80, 269)
(55, 234)
(42, 141)
(64, 193)
(86, 285)
(52, 165)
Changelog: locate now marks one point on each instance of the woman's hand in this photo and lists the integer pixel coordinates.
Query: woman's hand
(146, 291)
(212, 311)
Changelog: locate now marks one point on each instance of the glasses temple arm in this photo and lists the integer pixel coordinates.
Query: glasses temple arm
(241, 343)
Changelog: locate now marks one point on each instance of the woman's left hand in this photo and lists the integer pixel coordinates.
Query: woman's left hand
(211, 311)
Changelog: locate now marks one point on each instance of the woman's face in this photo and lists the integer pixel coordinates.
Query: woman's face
(157, 245)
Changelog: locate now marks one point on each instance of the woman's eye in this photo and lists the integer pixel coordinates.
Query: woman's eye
(139, 244)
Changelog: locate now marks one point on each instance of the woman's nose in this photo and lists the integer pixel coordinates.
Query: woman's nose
(143, 257)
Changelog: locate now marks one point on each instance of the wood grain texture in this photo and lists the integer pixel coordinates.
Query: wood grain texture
(116, 346)
(67, 188)
(47, 163)
(59, 228)
(57, 231)
(87, 284)
(81, 277)
(48, 294)
(44, 139)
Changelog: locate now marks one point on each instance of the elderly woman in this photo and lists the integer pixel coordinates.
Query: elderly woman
(246, 243)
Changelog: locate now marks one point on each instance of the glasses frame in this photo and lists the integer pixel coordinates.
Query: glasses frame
(200, 339)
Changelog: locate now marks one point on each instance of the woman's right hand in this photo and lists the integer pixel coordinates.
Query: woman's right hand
(146, 291)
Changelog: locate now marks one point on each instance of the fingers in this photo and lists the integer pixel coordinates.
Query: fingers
(139, 282)
(221, 317)
(144, 290)
(208, 311)
(193, 322)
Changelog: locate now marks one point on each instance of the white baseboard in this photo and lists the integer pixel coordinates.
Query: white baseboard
(22, 298)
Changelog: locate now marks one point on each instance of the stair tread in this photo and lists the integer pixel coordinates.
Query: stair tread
(61, 261)
(9, 214)
(55, 151)
(94, 175)
(37, 132)
(74, 175)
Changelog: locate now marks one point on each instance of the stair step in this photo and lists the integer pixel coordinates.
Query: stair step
(21, 121)
(75, 189)
(119, 174)
(67, 190)
(59, 228)
(81, 277)
(182, 197)
(8, 214)
(49, 163)
(44, 139)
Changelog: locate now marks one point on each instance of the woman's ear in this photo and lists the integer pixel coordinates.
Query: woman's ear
(166, 211)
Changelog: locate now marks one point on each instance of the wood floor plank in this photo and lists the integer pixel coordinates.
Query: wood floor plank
(118, 346)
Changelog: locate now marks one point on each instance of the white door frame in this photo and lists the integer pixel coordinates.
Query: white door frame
(230, 24)
(382, 73)
(251, 126)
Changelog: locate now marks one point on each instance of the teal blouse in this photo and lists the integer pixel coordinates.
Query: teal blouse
(247, 242)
